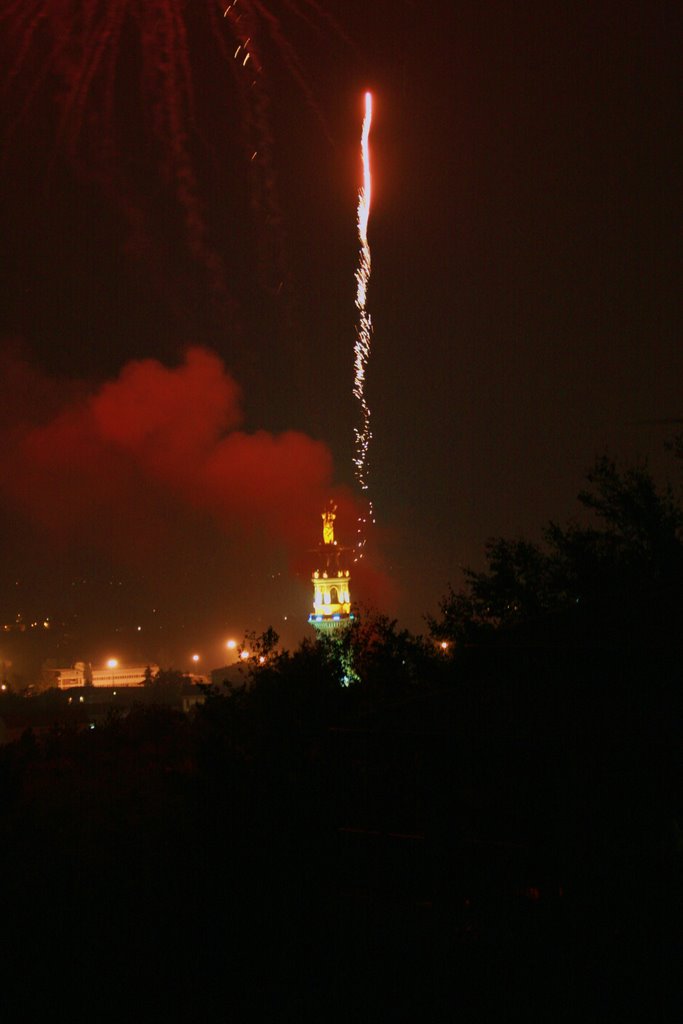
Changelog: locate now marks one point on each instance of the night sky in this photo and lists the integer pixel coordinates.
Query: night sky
(525, 295)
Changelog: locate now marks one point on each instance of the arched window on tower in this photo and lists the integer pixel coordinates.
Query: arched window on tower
(334, 596)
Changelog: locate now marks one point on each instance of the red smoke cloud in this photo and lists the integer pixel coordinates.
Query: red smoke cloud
(153, 471)
(117, 464)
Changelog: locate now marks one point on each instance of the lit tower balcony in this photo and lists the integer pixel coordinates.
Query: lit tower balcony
(331, 581)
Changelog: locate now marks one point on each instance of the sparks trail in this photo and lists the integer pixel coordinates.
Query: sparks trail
(128, 72)
(363, 434)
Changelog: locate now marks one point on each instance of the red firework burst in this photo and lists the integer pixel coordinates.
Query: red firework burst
(128, 69)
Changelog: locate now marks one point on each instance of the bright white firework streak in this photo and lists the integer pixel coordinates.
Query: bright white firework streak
(363, 434)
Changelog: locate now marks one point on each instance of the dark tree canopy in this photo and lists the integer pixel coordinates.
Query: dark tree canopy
(629, 551)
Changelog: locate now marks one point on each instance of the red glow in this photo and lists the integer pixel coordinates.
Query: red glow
(98, 468)
(153, 462)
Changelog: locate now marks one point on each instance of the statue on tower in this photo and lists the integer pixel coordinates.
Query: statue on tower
(329, 517)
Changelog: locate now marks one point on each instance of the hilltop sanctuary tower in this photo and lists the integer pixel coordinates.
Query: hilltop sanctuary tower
(331, 581)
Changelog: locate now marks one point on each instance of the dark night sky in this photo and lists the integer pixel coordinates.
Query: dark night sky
(525, 296)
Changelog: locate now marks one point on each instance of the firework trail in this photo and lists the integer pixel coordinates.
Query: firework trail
(363, 434)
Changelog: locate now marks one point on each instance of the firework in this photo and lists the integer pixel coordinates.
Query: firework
(128, 81)
(363, 434)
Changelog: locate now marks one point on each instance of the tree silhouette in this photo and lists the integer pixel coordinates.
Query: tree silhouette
(629, 553)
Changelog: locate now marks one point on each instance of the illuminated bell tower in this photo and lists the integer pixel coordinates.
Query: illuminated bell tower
(331, 581)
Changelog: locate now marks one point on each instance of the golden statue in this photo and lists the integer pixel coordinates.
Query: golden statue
(328, 524)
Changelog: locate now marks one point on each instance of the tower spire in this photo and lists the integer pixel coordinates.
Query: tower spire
(331, 581)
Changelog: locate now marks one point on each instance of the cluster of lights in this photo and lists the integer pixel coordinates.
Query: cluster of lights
(327, 618)
(20, 626)
(245, 655)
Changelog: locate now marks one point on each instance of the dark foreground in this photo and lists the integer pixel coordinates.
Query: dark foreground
(486, 850)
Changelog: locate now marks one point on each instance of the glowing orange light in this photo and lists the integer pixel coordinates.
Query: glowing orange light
(244, 655)
(366, 191)
(112, 663)
(231, 645)
(195, 657)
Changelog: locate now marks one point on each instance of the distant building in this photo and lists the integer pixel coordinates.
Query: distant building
(82, 674)
(331, 582)
(65, 678)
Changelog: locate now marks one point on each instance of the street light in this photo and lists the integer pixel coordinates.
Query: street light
(112, 663)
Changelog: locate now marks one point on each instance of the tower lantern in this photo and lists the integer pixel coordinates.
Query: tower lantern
(331, 581)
